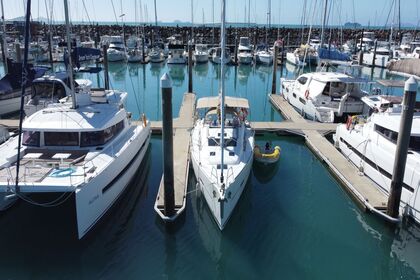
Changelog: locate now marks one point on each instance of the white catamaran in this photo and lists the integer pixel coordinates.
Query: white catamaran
(86, 147)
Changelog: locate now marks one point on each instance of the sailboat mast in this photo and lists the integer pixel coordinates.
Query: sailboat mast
(324, 18)
(70, 64)
(155, 14)
(22, 94)
(4, 37)
(222, 91)
(192, 20)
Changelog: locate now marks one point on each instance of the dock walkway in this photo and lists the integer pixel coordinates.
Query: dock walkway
(358, 186)
(182, 127)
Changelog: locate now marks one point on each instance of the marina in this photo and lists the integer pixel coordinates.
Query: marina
(156, 152)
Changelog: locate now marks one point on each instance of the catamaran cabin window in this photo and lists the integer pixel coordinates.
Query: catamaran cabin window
(61, 138)
(48, 90)
(415, 143)
(387, 133)
(31, 138)
(302, 80)
(99, 138)
(393, 136)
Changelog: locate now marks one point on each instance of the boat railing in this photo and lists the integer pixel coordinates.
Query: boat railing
(230, 174)
(213, 173)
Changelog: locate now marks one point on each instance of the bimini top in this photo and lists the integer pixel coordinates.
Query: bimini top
(336, 77)
(213, 102)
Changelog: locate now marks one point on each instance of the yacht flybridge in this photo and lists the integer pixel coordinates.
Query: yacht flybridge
(369, 141)
(325, 96)
(92, 152)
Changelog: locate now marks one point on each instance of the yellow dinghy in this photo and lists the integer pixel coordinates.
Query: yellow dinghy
(271, 156)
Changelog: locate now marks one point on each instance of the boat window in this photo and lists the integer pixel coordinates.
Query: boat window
(303, 101)
(48, 90)
(224, 166)
(302, 80)
(61, 138)
(415, 143)
(326, 90)
(31, 138)
(212, 142)
(231, 142)
(387, 133)
(98, 138)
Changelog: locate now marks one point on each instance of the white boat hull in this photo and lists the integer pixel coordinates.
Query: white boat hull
(380, 60)
(245, 59)
(116, 56)
(201, 58)
(221, 209)
(92, 201)
(372, 159)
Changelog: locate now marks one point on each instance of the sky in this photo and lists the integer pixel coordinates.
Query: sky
(373, 12)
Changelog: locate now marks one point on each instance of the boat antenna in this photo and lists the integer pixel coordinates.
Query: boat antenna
(24, 83)
(70, 64)
(222, 90)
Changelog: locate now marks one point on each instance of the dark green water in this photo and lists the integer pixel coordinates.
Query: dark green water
(293, 221)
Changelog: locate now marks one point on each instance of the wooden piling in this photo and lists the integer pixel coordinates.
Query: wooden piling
(274, 84)
(106, 73)
(404, 134)
(190, 62)
(18, 53)
(168, 153)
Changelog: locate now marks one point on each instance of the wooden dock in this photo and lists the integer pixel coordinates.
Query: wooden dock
(182, 127)
(361, 189)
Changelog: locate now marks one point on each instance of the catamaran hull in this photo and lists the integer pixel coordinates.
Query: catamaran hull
(374, 163)
(221, 209)
(92, 202)
(11, 105)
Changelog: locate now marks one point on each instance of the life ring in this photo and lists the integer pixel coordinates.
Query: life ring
(307, 94)
(349, 122)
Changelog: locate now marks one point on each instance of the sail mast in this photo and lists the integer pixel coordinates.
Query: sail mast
(70, 64)
(4, 38)
(22, 95)
(323, 22)
(222, 91)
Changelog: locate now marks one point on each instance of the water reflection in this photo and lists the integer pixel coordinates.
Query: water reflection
(177, 73)
(243, 73)
(118, 70)
(201, 69)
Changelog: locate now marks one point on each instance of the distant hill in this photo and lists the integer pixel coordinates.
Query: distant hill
(352, 25)
(40, 19)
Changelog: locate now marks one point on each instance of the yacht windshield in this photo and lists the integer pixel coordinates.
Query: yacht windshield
(48, 90)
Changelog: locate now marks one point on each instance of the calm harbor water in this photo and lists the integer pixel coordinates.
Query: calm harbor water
(293, 221)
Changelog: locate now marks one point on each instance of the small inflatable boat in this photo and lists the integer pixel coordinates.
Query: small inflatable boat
(271, 156)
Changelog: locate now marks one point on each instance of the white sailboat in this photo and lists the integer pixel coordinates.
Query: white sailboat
(84, 147)
(222, 148)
